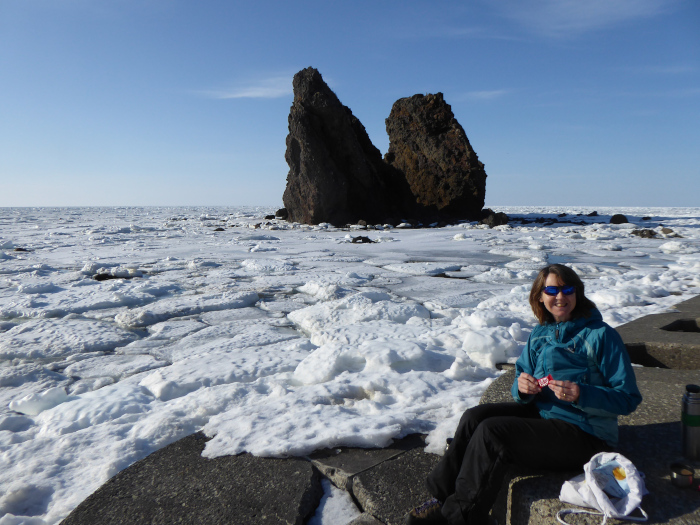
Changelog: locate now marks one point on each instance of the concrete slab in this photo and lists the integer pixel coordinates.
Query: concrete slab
(177, 485)
(341, 464)
(390, 490)
(670, 340)
(365, 519)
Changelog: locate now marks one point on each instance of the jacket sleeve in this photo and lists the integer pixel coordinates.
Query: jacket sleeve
(523, 364)
(619, 395)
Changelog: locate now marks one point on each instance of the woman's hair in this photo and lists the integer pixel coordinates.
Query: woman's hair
(569, 277)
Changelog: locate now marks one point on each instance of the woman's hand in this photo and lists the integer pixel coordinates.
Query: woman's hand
(528, 385)
(564, 390)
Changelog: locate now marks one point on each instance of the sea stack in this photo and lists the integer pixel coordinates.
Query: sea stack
(431, 149)
(335, 174)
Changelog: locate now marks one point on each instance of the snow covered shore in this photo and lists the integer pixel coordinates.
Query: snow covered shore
(277, 339)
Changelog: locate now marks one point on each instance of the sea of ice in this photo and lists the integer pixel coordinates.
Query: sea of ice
(276, 338)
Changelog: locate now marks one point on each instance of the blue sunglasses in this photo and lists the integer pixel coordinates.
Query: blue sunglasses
(554, 290)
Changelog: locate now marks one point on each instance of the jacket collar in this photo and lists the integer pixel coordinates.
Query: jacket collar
(568, 329)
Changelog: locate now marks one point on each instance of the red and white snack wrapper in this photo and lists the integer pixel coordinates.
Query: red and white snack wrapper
(544, 381)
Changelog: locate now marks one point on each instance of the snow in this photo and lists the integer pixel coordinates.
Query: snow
(336, 507)
(34, 404)
(275, 338)
(55, 338)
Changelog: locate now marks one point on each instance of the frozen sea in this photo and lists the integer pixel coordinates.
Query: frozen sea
(275, 338)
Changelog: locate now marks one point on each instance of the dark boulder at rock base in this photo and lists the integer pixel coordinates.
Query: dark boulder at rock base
(618, 218)
(644, 233)
(361, 239)
(493, 219)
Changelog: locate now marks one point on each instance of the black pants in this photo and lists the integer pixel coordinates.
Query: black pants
(488, 439)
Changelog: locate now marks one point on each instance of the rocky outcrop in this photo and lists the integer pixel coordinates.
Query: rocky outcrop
(644, 233)
(335, 174)
(430, 174)
(493, 219)
(430, 147)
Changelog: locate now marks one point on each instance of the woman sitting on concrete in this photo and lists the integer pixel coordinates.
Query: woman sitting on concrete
(573, 379)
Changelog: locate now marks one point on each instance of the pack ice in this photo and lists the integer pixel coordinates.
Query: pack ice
(275, 338)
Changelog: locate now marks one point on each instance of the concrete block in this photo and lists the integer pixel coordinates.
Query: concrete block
(669, 340)
(341, 464)
(390, 490)
(177, 485)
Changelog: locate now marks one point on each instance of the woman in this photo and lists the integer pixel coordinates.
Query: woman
(586, 381)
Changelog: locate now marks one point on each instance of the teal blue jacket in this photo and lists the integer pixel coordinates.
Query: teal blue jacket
(590, 353)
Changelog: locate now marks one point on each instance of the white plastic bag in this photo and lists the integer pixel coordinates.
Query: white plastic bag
(611, 484)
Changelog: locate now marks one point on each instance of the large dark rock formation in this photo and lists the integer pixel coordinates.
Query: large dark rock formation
(335, 174)
(430, 173)
(430, 147)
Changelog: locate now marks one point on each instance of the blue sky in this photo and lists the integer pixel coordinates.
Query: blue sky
(177, 102)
